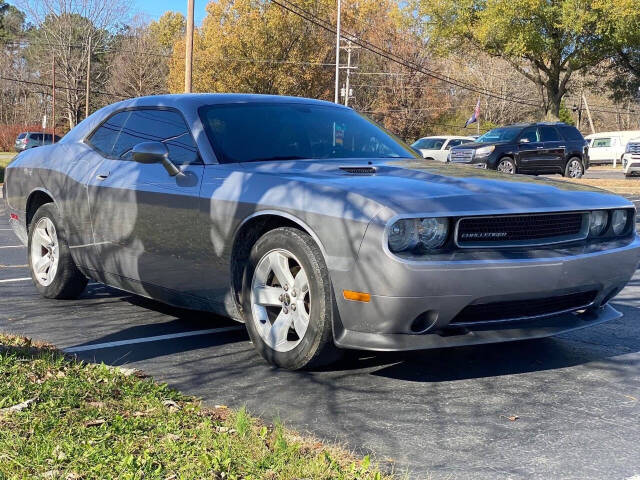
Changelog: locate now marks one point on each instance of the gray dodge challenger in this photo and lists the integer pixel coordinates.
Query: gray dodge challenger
(315, 227)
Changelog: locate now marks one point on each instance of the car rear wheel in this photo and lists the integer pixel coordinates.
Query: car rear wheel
(287, 301)
(506, 165)
(53, 271)
(574, 168)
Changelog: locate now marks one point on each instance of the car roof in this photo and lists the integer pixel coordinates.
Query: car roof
(618, 133)
(446, 137)
(199, 99)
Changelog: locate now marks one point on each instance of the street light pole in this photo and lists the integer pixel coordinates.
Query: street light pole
(337, 87)
(189, 48)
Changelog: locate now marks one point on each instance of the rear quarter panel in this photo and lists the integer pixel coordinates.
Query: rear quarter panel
(60, 171)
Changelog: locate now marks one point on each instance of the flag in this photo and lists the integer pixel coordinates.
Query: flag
(474, 116)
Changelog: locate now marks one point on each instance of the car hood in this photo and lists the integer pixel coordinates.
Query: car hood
(422, 186)
(476, 145)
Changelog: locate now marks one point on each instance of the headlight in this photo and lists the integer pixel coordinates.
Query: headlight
(484, 151)
(432, 232)
(403, 235)
(597, 222)
(619, 221)
(409, 233)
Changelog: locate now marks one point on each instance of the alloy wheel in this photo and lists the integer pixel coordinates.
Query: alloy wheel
(575, 169)
(505, 166)
(280, 300)
(45, 252)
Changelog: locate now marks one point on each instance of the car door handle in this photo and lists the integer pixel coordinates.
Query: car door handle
(540, 148)
(103, 176)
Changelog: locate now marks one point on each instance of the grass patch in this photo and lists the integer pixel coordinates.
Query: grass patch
(5, 158)
(622, 186)
(62, 418)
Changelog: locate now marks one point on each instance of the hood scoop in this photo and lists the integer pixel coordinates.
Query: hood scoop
(357, 170)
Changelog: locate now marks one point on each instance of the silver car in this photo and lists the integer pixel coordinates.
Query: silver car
(314, 227)
(27, 140)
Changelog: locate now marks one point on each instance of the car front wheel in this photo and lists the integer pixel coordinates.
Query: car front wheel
(574, 168)
(53, 271)
(287, 301)
(506, 165)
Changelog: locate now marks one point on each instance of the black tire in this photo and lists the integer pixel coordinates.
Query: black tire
(507, 165)
(68, 282)
(570, 172)
(316, 348)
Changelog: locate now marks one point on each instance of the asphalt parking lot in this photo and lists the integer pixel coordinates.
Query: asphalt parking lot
(436, 414)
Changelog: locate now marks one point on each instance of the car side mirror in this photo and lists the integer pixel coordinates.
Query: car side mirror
(524, 140)
(154, 152)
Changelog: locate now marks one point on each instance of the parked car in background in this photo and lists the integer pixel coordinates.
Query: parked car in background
(609, 147)
(631, 158)
(322, 232)
(33, 139)
(437, 148)
(536, 148)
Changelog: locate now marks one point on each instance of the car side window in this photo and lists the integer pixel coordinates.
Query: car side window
(104, 138)
(571, 133)
(453, 143)
(601, 142)
(549, 134)
(150, 125)
(530, 133)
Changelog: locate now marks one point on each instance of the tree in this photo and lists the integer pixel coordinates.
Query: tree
(137, 66)
(254, 46)
(547, 41)
(11, 22)
(63, 31)
(168, 29)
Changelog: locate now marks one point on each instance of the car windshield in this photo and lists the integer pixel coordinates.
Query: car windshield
(501, 134)
(429, 143)
(252, 132)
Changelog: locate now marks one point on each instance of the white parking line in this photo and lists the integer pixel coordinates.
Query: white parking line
(96, 346)
(13, 246)
(9, 280)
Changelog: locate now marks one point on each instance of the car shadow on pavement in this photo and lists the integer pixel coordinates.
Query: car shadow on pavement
(156, 319)
(599, 343)
(439, 365)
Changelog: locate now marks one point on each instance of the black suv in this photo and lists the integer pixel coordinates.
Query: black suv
(528, 148)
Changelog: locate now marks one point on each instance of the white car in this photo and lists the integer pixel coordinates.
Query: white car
(609, 147)
(437, 148)
(631, 158)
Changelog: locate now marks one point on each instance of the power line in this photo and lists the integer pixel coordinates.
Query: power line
(60, 87)
(310, 17)
(297, 10)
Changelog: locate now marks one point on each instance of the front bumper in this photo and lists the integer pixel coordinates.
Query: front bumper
(631, 163)
(504, 332)
(437, 291)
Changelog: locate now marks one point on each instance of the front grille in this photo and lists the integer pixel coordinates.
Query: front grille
(521, 230)
(523, 309)
(633, 148)
(463, 155)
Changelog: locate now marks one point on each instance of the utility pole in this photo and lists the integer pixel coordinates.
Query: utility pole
(347, 90)
(586, 106)
(580, 113)
(86, 100)
(337, 87)
(53, 99)
(189, 48)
